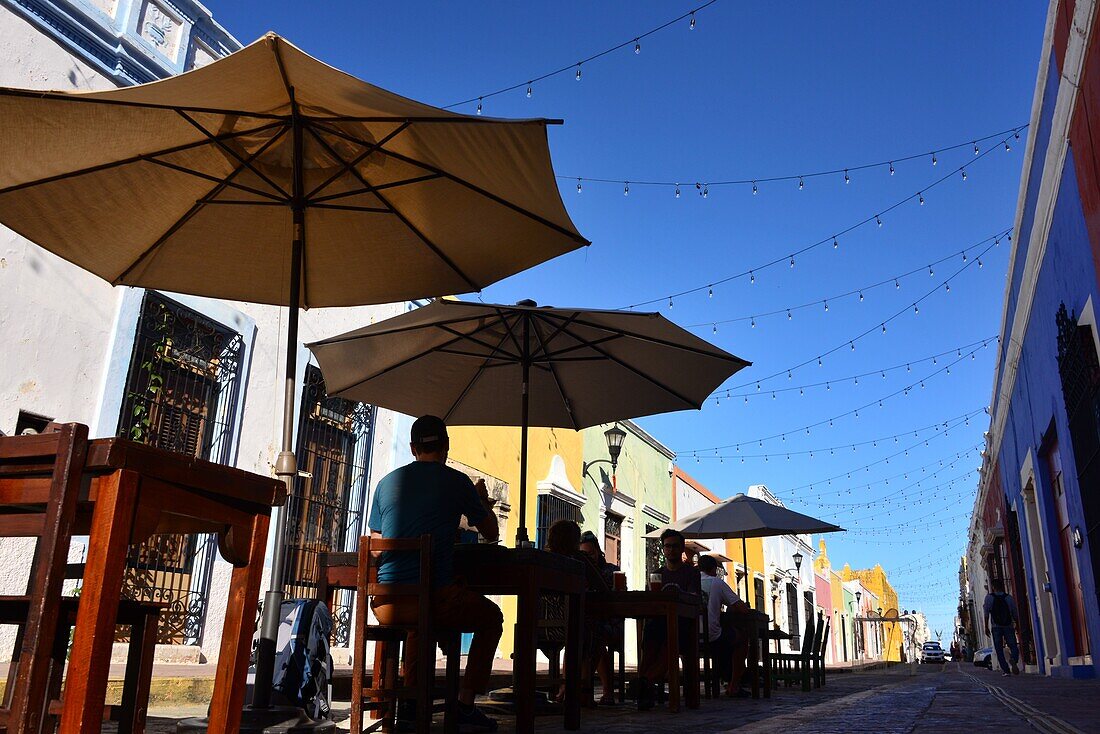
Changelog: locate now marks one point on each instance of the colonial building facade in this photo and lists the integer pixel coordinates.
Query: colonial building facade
(1036, 519)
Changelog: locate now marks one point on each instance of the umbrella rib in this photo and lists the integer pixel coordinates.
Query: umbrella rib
(403, 362)
(557, 330)
(665, 343)
(247, 161)
(404, 220)
(89, 99)
(473, 381)
(456, 119)
(675, 393)
(560, 354)
(489, 195)
(469, 337)
(134, 159)
(372, 189)
(193, 210)
(240, 202)
(215, 179)
(348, 165)
(554, 372)
(352, 208)
(394, 330)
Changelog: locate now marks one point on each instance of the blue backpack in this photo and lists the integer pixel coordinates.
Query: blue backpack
(303, 668)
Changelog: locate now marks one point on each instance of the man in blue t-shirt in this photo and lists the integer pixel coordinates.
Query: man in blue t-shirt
(429, 497)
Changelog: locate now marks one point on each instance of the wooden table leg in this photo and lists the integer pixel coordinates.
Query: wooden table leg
(573, 646)
(523, 658)
(90, 660)
(766, 658)
(672, 621)
(240, 623)
(139, 674)
(691, 664)
(753, 667)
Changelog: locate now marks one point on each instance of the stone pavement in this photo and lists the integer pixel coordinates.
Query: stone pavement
(924, 700)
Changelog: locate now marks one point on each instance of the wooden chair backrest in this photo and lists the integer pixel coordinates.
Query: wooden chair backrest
(824, 639)
(370, 550)
(40, 478)
(335, 571)
(808, 644)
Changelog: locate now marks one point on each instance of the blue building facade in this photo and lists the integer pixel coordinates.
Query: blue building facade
(1036, 523)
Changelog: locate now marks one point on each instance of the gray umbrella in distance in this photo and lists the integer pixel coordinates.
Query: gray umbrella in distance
(522, 365)
(744, 517)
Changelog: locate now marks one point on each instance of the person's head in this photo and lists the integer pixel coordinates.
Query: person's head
(563, 537)
(708, 565)
(998, 585)
(590, 546)
(672, 544)
(428, 439)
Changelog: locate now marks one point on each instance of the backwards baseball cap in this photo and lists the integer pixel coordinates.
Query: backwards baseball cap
(428, 429)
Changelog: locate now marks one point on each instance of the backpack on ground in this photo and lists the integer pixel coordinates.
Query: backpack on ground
(1000, 612)
(303, 666)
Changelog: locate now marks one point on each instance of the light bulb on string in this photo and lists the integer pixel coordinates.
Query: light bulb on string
(710, 292)
(1008, 148)
(626, 188)
(691, 24)
(835, 243)
(637, 46)
(847, 179)
(670, 302)
(754, 189)
(979, 262)
(852, 344)
(1016, 134)
(579, 187)
(963, 172)
(920, 196)
(891, 168)
(577, 76)
(792, 261)
(819, 361)
(947, 286)
(716, 328)
(789, 314)
(976, 151)
(934, 161)
(931, 274)
(897, 285)
(861, 296)
(878, 220)
(752, 278)
(884, 331)
(789, 374)
(964, 256)
(677, 191)
(706, 190)
(753, 324)
(826, 306)
(800, 183)
(479, 105)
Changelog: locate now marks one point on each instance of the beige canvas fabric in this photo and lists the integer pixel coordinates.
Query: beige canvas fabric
(742, 516)
(462, 362)
(184, 184)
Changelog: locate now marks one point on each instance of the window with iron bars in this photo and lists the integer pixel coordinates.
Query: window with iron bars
(654, 558)
(612, 537)
(325, 505)
(808, 602)
(758, 593)
(551, 509)
(182, 392)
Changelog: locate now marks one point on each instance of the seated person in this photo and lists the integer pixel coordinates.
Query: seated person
(608, 633)
(675, 574)
(728, 647)
(428, 497)
(564, 538)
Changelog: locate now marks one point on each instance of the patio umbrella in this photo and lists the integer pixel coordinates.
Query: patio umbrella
(745, 517)
(270, 177)
(522, 365)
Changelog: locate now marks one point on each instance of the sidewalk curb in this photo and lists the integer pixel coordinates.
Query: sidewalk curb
(1042, 721)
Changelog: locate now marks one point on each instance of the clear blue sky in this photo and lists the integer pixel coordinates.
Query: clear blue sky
(757, 91)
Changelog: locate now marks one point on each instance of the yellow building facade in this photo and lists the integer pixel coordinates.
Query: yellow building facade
(875, 581)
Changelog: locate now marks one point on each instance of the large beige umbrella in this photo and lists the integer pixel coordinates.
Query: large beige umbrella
(485, 364)
(271, 177)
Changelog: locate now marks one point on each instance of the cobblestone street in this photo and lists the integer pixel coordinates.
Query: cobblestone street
(929, 699)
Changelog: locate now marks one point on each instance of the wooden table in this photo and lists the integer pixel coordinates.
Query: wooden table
(130, 492)
(526, 573)
(672, 606)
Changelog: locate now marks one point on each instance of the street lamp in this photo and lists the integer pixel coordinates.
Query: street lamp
(614, 437)
(797, 557)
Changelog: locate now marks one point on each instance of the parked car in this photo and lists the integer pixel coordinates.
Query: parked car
(931, 652)
(983, 658)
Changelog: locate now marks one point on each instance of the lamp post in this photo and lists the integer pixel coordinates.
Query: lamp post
(614, 437)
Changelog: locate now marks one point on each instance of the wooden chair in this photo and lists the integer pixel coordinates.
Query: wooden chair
(819, 656)
(40, 481)
(383, 692)
(792, 668)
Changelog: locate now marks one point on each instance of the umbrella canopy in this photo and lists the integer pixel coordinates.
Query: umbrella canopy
(464, 362)
(191, 184)
(742, 516)
(486, 364)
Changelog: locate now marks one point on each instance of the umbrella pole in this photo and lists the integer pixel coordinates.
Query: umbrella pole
(745, 559)
(521, 533)
(286, 465)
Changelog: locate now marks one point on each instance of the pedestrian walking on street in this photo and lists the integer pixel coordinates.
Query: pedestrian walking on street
(1001, 618)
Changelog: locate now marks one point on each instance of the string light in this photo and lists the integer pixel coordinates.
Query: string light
(859, 292)
(579, 186)
(677, 191)
(577, 76)
(847, 178)
(754, 189)
(934, 161)
(800, 183)
(891, 168)
(878, 220)
(919, 195)
(634, 41)
(963, 171)
(626, 188)
(529, 90)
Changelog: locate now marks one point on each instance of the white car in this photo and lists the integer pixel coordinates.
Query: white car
(932, 653)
